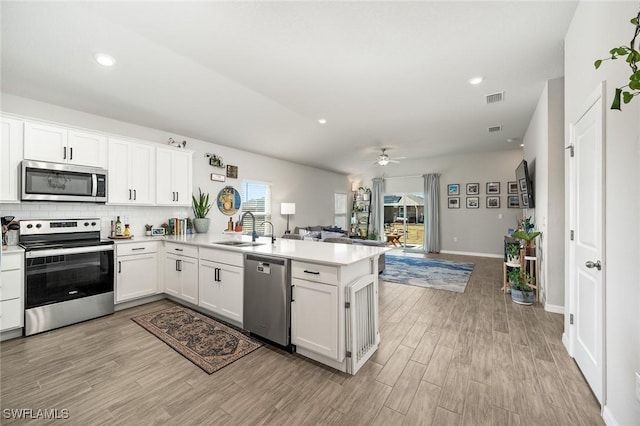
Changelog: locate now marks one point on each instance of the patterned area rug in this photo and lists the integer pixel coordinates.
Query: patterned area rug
(424, 272)
(206, 342)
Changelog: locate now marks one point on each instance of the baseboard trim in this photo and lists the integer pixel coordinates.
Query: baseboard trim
(567, 346)
(10, 334)
(608, 418)
(556, 309)
(137, 302)
(470, 253)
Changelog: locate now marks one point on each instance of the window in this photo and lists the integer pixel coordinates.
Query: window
(340, 211)
(256, 198)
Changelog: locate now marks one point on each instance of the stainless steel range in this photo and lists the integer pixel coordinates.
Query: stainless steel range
(69, 273)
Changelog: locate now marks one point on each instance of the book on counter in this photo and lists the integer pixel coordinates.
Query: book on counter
(178, 226)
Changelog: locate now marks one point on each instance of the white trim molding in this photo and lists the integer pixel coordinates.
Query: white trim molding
(556, 309)
(608, 418)
(469, 253)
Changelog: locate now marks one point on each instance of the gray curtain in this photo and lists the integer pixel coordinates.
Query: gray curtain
(432, 213)
(377, 209)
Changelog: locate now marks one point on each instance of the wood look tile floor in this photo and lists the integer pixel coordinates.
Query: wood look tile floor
(445, 359)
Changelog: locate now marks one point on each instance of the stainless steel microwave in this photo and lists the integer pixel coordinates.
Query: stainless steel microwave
(62, 182)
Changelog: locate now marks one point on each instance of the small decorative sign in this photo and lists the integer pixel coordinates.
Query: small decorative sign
(218, 178)
(214, 160)
(157, 231)
(232, 172)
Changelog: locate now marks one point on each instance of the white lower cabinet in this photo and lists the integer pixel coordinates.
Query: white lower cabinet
(11, 291)
(314, 317)
(181, 277)
(136, 271)
(221, 289)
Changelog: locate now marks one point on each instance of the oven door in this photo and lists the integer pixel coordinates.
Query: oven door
(58, 275)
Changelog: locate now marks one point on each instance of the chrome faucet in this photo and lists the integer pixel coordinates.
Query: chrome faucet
(273, 237)
(254, 234)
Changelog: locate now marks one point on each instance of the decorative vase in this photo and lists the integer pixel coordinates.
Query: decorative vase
(147, 233)
(522, 297)
(201, 225)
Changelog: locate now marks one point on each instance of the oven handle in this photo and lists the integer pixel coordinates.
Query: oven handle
(58, 252)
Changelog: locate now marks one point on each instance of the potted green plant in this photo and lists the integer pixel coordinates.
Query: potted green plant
(527, 236)
(513, 254)
(201, 207)
(521, 291)
(147, 229)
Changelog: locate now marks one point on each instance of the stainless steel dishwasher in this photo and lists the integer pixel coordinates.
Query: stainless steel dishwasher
(267, 298)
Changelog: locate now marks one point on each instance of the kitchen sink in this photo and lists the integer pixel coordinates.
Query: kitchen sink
(238, 243)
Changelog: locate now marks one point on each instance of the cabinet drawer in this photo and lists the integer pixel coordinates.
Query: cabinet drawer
(12, 261)
(227, 257)
(11, 314)
(182, 249)
(313, 272)
(126, 249)
(11, 287)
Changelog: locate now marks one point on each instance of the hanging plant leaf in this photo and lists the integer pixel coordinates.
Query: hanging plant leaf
(616, 100)
(626, 97)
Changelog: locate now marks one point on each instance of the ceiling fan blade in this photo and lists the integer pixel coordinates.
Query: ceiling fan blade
(398, 158)
(391, 160)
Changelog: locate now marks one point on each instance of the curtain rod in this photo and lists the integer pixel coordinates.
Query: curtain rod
(402, 177)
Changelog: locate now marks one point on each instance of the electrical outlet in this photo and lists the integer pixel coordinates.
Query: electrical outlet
(499, 215)
(455, 239)
(638, 386)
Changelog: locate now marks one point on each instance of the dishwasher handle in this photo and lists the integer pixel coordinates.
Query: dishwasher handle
(292, 297)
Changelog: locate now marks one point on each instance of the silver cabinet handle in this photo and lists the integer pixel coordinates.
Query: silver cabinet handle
(138, 248)
(590, 264)
(119, 267)
(293, 299)
(129, 194)
(64, 152)
(135, 194)
(311, 272)
(179, 249)
(71, 153)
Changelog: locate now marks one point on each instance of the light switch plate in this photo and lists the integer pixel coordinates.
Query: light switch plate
(638, 386)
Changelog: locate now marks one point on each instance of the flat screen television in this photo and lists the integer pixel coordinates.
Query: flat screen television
(525, 186)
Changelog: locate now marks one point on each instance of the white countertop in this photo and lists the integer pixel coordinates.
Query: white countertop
(12, 249)
(308, 251)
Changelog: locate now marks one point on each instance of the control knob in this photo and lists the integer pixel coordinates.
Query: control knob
(29, 226)
(93, 224)
(86, 224)
(39, 226)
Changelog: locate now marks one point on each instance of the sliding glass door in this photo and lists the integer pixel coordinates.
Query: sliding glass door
(404, 220)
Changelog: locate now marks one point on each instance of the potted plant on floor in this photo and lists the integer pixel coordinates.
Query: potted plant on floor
(201, 207)
(521, 292)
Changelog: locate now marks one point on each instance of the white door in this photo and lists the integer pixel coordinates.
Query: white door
(136, 276)
(142, 173)
(189, 272)
(10, 156)
(45, 143)
(87, 149)
(209, 286)
(586, 248)
(172, 275)
(231, 278)
(118, 185)
(181, 177)
(165, 194)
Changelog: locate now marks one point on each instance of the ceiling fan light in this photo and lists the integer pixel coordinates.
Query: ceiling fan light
(383, 161)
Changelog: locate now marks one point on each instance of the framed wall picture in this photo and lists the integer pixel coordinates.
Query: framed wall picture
(523, 185)
(512, 187)
(513, 202)
(453, 189)
(232, 171)
(524, 199)
(218, 178)
(454, 202)
(493, 202)
(493, 187)
(473, 202)
(473, 188)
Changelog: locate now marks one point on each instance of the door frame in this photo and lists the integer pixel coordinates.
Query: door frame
(569, 338)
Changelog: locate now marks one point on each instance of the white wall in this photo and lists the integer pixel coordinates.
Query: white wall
(596, 28)
(311, 189)
(476, 230)
(544, 152)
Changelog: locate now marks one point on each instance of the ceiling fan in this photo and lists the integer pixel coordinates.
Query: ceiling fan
(384, 159)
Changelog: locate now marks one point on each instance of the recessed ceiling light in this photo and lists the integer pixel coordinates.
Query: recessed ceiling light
(513, 140)
(521, 144)
(476, 80)
(104, 59)
(322, 120)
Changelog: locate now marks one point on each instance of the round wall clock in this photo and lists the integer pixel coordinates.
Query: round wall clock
(229, 200)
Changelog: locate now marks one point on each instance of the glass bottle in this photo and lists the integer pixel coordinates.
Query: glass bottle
(118, 227)
(127, 231)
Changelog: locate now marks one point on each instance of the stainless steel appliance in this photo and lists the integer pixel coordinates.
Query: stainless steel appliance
(69, 273)
(62, 182)
(267, 298)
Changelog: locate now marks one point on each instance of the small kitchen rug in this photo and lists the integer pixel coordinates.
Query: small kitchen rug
(206, 342)
(426, 272)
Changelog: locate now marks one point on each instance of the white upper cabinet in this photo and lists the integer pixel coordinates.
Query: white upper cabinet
(173, 177)
(131, 172)
(43, 142)
(10, 157)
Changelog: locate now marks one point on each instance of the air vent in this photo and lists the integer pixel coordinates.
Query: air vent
(494, 129)
(495, 97)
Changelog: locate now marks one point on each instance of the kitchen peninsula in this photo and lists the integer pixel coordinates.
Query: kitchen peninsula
(334, 308)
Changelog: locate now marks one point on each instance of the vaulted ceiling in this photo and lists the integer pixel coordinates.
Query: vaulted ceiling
(259, 75)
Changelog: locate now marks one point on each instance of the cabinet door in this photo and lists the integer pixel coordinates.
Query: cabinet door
(314, 317)
(45, 143)
(189, 273)
(142, 173)
(172, 275)
(11, 147)
(87, 149)
(118, 184)
(136, 276)
(209, 288)
(11, 314)
(231, 280)
(165, 195)
(182, 176)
